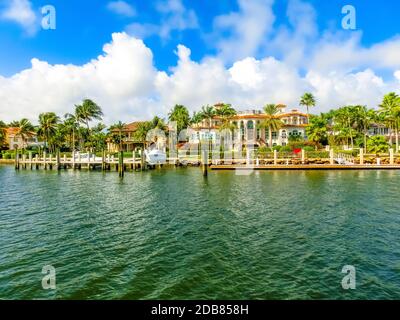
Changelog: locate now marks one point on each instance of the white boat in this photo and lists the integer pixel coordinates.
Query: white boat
(155, 156)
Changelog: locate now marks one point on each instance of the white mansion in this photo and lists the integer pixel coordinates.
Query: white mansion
(247, 127)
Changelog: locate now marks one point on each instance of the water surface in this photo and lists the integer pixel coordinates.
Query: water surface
(171, 234)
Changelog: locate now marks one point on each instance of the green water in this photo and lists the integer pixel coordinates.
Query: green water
(172, 234)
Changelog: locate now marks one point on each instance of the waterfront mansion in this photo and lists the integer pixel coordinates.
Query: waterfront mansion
(247, 127)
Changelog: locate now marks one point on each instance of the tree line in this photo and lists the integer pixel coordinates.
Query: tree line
(347, 125)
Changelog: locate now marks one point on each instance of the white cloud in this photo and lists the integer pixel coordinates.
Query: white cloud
(125, 83)
(174, 17)
(397, 75)
(21, 12)
(248, 29)
(120, 80)
(121, 8)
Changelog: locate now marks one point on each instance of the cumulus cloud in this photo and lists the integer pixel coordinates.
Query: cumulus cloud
(21, 12)
(120, 80)
(125, 83)
(247, 29)
(121, 8)
(174, 16)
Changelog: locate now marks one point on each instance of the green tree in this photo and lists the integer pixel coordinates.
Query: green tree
(271, 122)
(377, 144)
(116, 134)
(390, 110)
(364, 118)
(3, 127)
(25, 130)
(208, 112)
(180, 114)
(48, 126)
(307, 100)
(317, 130)
(197, 117)
(71, 127)
(87, 112)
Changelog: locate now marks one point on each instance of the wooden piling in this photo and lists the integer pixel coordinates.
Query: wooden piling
(204, 163)
(121, 164)
(16, 159)
(30, 160)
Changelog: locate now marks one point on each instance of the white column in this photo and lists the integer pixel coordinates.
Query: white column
(391, 155)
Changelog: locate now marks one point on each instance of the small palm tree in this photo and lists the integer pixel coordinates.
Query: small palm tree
(307, 100)
(208, 112)
(25, 130)
(47, 126)
(271, 122)
(197, 117)
(116, 133)
(180, 114)
(87, 112)
(390, 109)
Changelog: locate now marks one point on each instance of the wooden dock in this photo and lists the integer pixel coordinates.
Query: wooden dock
(306, 167)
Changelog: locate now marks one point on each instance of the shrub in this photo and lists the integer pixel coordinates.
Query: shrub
(286, 149)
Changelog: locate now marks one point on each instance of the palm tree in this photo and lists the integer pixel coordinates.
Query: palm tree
(3, 127)
(25, 129)
(365, 118)
(180, 114)
(197, 117)
(390, 109)
(116, 133)
(307, 100)
(317, 130)
(47, 126)
(141, 131)
(226, 112)
(345, 120)
(71, 126)
(271, 122)
(87, 112)
(208, 112)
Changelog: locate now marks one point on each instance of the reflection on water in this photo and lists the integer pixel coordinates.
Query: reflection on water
(171, 234)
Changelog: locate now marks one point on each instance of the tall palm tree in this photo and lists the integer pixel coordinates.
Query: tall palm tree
(48, 122)
(365, 117)
(25, 129)
(307, 100)
(208, 112)
(271, 122)
(197, 117)
(87, 112)
(180, 114)
(390, 109)
(317, 130)
(116, 131)
(3, 127)
(226, 112)
(71, 126)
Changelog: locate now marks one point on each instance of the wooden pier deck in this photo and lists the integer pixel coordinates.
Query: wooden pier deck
(306, 167)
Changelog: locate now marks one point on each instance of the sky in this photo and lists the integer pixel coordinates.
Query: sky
(137, 59)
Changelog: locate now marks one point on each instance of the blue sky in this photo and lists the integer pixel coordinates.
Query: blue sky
(139, 58)
(83, 27)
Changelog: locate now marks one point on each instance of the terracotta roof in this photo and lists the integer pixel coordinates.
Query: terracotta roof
(12, 131)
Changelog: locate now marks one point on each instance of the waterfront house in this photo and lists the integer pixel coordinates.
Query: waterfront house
(15, 141)
(247, 131)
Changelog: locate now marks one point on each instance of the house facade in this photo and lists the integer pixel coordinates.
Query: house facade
(15, 141)
(248, 131)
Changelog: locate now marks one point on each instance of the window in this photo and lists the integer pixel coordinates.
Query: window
(274, 135)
